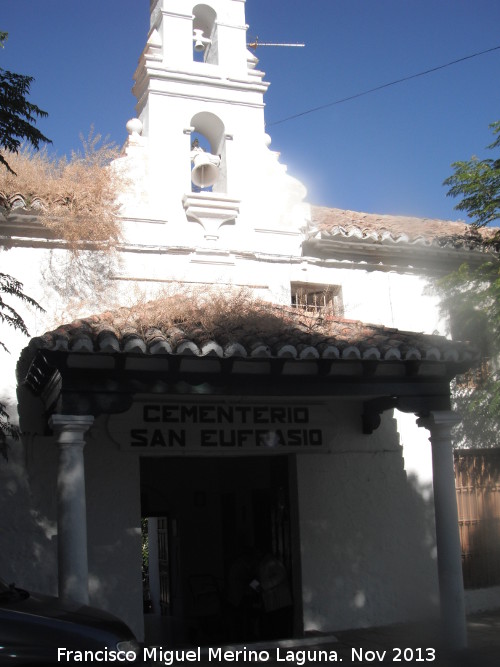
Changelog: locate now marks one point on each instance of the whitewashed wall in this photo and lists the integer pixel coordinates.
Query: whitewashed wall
(366, 548)
(377, 297)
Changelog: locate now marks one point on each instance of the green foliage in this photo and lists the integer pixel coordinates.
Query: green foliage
(17, 125)
(478, 182)
(470, 298)
(480, 423)
(17, 116)
(7, 429)
(8, 315)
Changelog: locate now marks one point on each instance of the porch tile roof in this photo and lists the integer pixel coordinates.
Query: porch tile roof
(286, 333)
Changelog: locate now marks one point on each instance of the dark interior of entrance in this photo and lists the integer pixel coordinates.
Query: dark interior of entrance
(223, 534)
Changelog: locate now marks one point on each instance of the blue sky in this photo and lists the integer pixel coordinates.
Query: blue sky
(387, 152)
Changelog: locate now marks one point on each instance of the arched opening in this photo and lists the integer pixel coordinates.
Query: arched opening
(205, 46)
(208, 139)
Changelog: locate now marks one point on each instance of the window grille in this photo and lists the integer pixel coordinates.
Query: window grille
(317, 298)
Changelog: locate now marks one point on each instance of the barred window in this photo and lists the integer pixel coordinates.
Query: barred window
(314, 297)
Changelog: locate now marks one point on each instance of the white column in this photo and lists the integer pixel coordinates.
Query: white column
(71, 506)
(447, 532)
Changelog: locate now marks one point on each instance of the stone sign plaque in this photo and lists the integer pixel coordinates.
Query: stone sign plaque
(219, 427)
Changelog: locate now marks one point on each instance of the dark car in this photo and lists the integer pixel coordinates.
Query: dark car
(38, 629)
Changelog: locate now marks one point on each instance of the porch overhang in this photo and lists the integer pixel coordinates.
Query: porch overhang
(82, 383)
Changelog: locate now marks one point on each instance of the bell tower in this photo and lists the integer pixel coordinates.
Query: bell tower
(200, 103)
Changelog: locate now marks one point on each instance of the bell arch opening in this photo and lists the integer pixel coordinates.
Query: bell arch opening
(205, 42)
(208, 153)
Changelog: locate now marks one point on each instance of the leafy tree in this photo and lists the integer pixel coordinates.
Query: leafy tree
(17, 118)
(478, 181)
(471, 298)
(17, 115)
(8, 315)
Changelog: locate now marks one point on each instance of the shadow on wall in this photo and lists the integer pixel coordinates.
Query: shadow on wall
(113, 528)
(102, 588)
(384, 530)
(423, 498)
(28, 553)
(78, 282)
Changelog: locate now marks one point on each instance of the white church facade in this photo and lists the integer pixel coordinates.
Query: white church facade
(299, 432)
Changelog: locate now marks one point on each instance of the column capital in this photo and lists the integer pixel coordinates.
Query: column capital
(74, 426)
(439, 420)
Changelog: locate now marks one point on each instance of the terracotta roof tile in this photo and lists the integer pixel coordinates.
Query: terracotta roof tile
(291, 334)
(332, 222)
(336, 223)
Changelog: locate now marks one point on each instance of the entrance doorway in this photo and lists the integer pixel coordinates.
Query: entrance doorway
(223, 560)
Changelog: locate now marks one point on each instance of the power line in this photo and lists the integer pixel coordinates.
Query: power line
(385, 85)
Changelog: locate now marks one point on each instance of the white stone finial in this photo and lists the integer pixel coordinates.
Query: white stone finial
(134, 126)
